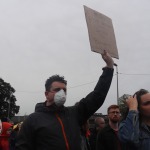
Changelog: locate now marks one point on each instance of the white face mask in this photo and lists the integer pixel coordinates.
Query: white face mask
(60, 98)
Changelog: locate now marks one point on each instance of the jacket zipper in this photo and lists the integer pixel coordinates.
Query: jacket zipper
(63, 131)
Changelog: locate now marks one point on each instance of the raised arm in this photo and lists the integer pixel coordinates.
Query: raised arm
(129, 128)
(93, 101)
(108, 59)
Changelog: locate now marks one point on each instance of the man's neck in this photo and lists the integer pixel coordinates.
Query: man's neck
(49, 103)
(114, 125)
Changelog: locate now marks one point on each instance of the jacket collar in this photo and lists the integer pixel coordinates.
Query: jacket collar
(41, 107)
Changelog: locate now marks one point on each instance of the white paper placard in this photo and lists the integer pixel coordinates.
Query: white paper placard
(101, 32)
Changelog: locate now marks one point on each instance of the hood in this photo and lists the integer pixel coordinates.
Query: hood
(41, 107)
(6, 129)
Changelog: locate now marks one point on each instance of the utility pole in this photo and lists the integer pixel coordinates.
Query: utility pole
(117, 83)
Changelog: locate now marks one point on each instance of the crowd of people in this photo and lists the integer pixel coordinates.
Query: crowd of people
(55, 127)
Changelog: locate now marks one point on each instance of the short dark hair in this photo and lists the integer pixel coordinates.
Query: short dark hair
(112, 107)
(52, 79)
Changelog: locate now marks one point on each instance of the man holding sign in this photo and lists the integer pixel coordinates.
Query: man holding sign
(56, 127)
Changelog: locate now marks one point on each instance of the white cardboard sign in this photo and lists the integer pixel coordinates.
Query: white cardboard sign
(101, 32)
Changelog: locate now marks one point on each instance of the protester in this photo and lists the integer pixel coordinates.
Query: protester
(56, 127)
(107, 138)
(99, 125)
(4, 137)
(134, 131)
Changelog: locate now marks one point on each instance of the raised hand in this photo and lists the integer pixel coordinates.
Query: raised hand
(108, 59)
(132, 103)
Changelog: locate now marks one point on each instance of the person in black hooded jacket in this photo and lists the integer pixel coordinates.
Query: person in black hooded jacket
(55, 127)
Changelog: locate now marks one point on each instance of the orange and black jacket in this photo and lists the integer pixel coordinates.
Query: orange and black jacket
(53, 128)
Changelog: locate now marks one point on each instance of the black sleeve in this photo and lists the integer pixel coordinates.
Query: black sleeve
(94, 100)
(25, 138)
(99, 141)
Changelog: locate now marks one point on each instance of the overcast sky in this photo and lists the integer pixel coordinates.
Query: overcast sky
(40, 38)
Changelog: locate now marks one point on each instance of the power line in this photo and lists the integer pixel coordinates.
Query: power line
(68, 88)
(142, 74)
(84, 83)
(81, 85)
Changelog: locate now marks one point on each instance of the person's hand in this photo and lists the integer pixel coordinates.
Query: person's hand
(108, 59)
(132, 103)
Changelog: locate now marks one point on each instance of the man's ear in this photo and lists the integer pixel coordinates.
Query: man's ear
(46, 93)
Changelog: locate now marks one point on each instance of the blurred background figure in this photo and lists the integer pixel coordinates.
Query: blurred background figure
(14, 134)
(99, 124)
(4, 137)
